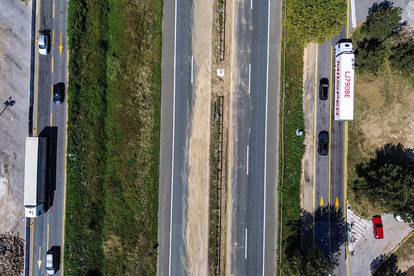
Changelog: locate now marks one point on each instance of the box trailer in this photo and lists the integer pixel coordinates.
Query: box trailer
(35, 176)
(344, 81)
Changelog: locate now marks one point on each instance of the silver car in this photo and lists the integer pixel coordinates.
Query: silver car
(44, 43)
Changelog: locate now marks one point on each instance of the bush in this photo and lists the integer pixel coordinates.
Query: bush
(317, 20)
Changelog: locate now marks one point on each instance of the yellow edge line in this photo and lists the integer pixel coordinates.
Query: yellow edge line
(347, 18)
(330, 145)
(37, 71)
(314, 139)
(346, 160)
(32, 221)
(64, 194)
(345, 192)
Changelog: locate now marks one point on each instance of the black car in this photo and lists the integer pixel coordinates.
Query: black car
(323, 139)
(323, 89)
(53, 260)
(59, 93)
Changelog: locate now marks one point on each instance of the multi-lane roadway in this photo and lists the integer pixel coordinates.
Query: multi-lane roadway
(255, 109)
(49, 119)
(255, 168)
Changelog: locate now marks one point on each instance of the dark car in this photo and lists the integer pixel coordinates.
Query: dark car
(53, 260)
(59, 93)
(323, 139)
(377, 227)
(323, 89)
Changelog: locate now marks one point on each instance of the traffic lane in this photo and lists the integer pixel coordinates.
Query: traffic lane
(258, 146)
(241, 112)
(167, 85)
(274, 44)
(322, 189)
(183, 103)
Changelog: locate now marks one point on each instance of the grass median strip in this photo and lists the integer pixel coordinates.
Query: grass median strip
(113, 137)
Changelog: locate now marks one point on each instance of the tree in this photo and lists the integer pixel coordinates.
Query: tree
(374, 40)
(318, 20)
(371, 54)
(402, 57)
(383, 21)
(388, 181)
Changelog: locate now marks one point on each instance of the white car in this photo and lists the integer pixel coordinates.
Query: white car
(44, 43)
(52, 260)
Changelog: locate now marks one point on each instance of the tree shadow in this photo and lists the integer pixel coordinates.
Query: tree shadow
(394, 154)
(324, 231)
(51, 134)
(383, 265)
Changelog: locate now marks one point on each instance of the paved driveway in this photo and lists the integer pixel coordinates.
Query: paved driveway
(368, 251)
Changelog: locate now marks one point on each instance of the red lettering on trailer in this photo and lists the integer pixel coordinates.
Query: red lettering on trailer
(347, 84)
(337, 87)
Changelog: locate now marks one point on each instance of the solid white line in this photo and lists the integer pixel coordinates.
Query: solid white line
(173, 136)
(247, 165)
(250, 69)
(251, 4)
(353, 14)
(265, 155)
(245, 244)
(192, 69)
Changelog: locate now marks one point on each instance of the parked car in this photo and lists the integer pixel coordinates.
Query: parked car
(53, 260)
(323, 89)
(44, 43)
(377, 227)
(59, 93)
(323, 142)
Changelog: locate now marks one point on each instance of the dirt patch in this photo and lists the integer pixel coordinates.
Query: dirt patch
(199, 143)
(308, 109)
(384, 111)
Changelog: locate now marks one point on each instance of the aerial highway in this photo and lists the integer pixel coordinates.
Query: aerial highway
(254, 173)
(177, 91)
(49, 119)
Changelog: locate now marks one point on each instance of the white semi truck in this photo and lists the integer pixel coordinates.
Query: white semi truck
(344, 81)
(35, 176)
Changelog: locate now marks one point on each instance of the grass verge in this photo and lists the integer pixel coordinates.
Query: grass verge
(113, 137)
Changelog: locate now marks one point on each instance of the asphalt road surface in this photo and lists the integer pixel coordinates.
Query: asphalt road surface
(256, 109)
(176, 100)
(330, 171)
(49, 119)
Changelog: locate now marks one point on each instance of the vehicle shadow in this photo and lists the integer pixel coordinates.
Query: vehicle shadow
(51, 134)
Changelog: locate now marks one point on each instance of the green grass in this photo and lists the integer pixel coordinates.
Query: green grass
(113, 137)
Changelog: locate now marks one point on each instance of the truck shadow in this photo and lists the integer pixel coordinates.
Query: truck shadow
(51, 133)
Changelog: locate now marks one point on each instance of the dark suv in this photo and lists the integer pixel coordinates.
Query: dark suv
(323, 139)
(323, 89)
(59, 93)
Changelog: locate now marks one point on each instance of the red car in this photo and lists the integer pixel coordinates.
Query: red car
(377, 226)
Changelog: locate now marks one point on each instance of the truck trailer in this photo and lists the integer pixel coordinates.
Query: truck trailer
(35, 176)
(344, 81)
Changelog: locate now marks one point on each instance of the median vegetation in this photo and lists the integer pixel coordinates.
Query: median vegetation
(305, 22)
(113, 137)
